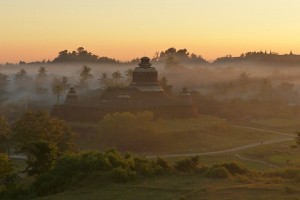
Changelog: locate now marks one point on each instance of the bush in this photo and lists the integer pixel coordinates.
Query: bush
(120, 174)
(187, 165)
(235, 168)
(288, 173)
(217, 172)
(71, 169)
(289, 190)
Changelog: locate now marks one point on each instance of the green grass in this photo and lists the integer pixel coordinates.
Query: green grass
(179, 187)
(278, 154)
(290, 125)
(196, 135)
(201, 135)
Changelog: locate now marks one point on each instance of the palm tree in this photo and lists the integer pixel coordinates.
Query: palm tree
(65, 83)
(57, 88)
(116, 75)
(129, 73)
(21, 75)
(42, 73)
(21, 79)
(85, 75)
(41, 77)
(3, 81)
(103, 80)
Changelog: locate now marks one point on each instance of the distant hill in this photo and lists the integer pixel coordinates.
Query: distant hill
(182, 56)
(261, 57)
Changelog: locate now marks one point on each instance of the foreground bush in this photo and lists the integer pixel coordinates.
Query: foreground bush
(112, 164)
(188, 165)
(217, 172)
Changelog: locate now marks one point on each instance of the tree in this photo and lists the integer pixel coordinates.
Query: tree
(164, 84)
(21, 78)
(298, 139)
(57, 88)
(21, 75)
(85, 75)
(5, 134)
(65, 83)
(42, 138)
(3, 81)
(116, 75)
(171, 63)
(41, 157)
(129, 73)
(128, 131)
(103, 79)
(41, 76)
(7, 175)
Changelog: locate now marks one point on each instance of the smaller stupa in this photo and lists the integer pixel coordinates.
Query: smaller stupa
(72, 97)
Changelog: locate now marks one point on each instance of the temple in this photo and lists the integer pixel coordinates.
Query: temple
(144, 93)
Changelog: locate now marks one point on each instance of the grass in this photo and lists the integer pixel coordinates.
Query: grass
(281, 124)
(201, 135)
(180, 187)
(197, 135)
(278, 154)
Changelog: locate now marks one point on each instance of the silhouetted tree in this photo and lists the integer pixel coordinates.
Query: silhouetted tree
(43, 139)
(65, 83)
(103, 79)
(5, 134)
(3, 81)
(21, 79)
(298, 139)
(57, 88)
(85, 75)
(41, 81)
(116, 75)
(128, 73)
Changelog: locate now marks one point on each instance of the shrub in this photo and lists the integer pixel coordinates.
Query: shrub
(120, 174)
(217, 172)
(187, 165)
(162, 166)
(235, 168)
(288, 173)
(289, 190)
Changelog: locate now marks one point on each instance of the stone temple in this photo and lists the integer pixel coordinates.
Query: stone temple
(144, 93)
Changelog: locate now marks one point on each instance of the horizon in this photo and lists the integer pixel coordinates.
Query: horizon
(35, 30)
(210, 61)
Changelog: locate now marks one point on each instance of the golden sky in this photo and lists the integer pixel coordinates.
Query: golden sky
(124, 29)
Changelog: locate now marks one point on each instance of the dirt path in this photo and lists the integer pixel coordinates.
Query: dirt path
(235, 149)
(258, 161)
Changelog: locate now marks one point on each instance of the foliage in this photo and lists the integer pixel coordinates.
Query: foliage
(217, 172)
(42, 138)
(233, 168)
(129, 73)
(7, 175)
(57, 88)
(120, 174)
(85, 76)
(116, 75)
(5, 134)
(110, 164)
(188, 165)
(41, 157)
(128, 131)
(3, 81)
(298, 139)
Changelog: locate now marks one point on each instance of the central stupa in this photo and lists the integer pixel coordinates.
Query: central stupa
(145, 77)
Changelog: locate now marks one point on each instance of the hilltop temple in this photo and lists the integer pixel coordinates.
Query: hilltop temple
(144, 93)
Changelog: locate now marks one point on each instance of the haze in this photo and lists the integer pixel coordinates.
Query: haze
(36, 30)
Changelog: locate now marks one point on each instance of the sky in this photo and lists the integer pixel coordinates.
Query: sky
(125, 29)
